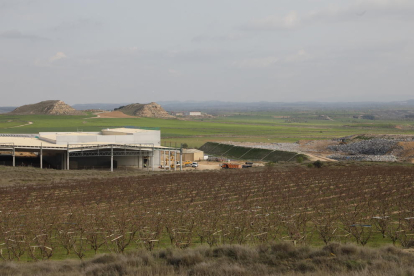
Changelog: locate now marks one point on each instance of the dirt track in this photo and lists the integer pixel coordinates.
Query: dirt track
(28, 123)
(318, 157)
(113, 114)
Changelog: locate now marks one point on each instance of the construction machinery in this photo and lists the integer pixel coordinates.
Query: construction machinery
(231, 166)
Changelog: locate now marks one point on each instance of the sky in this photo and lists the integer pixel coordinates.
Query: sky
(105, 51)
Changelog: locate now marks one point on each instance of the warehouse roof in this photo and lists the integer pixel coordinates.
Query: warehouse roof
(124, 130)
(49, 139)
(191, 150)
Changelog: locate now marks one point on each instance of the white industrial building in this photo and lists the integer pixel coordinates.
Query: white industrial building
(193, 113)
(109, 148)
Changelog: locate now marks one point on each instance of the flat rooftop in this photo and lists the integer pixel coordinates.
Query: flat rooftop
(49, 139)
(191, 150)
(27, 142)
(109, 131)
(23, 142)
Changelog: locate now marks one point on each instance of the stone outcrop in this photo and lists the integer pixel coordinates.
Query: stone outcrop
(46, 108)
(151, 110)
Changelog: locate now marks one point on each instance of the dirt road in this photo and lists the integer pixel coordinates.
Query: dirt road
(28, 123)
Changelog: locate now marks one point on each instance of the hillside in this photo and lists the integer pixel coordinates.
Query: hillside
(53, 107)
(152, 110)
(238, 152)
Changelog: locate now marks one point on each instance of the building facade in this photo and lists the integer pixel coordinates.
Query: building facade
(109, 148)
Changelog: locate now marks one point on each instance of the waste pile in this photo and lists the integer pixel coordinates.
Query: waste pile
(368, 147)
(373, 158)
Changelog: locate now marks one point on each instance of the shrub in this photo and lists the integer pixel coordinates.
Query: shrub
(305, 267)
(235, 252)
(318, 164)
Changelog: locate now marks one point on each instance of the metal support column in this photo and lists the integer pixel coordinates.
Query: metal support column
(112, 158)
(159, 155)
(169, 160)
(152, 159)
(41, 155)
(181, 158)
(14, 156)
(140, 159)
(67, 158)
(175, 160)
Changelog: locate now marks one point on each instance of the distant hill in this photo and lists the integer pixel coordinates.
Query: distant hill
(5, 109)
(152, 110)
(46, 108)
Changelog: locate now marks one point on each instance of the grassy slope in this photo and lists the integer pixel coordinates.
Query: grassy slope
(273, 259)
(248, 153)
(258, 127)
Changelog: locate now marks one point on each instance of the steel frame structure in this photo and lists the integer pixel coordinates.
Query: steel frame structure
(90, 150)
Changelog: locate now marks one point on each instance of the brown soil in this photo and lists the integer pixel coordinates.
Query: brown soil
(408, 149)
(316, 145)
(114, 114)
(313, 157)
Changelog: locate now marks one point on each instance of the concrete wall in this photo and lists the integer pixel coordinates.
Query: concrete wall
(193, 156)
(157, 159)
(127, 161)
(199, 155)
(147, 137)
(138, 161)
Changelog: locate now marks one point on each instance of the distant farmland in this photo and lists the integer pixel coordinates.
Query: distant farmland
(258, 127)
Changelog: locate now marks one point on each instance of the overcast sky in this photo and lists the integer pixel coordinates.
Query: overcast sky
(86, 51)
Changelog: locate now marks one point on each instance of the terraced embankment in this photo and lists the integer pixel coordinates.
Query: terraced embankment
(245, 153)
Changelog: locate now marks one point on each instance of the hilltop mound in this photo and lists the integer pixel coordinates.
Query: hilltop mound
(152, 110)
(46, 108)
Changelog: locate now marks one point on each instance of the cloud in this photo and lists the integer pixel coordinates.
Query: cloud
(289, 21)
(301, 55)
(57, 56)
(15, 34)
(256, 62)
(81, 23)
(174, 73)
(387, 3)
(353, 11)
(233, 36)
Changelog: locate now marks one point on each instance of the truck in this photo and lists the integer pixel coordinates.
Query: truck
(231, 166)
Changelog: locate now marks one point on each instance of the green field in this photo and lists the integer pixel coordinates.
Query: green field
(240, 127)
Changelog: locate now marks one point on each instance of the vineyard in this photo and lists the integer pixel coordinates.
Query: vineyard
(79, 218)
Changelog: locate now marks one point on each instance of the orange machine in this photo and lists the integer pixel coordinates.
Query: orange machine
(231, 166)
